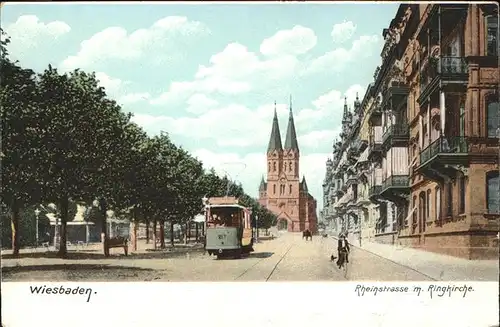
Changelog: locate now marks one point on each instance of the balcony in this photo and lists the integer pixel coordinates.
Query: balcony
(395, 96)
(396, 188)
(375, 142)
(375, 114)
(396, 135)
(443, 157)
(358, 146)
(374, 193)
(451, 72)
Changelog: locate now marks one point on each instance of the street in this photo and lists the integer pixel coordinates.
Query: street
(287, 258)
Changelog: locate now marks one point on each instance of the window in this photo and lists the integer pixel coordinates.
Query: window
(269, 166)
(491, 35)
(492, 114)
(437, 203)
(422, 210)
(290, 188)
(355, 192)
(492, 192)
(449, 202)
(414, 215)
(274, 188)
(290, 166)
(462, 118)
(274, 166)
(461, 187)
(429, 203)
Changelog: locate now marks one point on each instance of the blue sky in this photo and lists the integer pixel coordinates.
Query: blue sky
(209, 73)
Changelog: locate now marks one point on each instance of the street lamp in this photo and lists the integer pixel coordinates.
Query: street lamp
(205, 205)
(256, 229)
(37, 212)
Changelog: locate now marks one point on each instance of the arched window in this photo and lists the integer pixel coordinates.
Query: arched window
(269, 166)
(492, 115)
(274, 189)
(461, 189)
(492, 192)
(290, 166)
(437, 203)
(290, 188)
(274, 166)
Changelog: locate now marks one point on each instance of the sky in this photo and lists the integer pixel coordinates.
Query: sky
(209, 74)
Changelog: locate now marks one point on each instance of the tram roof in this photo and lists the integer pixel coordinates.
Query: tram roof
(226, 206)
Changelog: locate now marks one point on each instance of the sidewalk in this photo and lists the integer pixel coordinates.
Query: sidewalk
(436, 266)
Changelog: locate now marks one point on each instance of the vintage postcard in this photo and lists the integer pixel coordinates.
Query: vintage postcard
(163, 141)
(183, 142)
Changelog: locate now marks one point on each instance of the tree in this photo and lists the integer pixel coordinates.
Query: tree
(81, 133)
(4, 42)
(20, 155)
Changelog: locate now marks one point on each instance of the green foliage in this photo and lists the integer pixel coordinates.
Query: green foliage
(65, 141)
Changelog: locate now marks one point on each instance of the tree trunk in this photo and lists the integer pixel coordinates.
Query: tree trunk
(64, 204)
(162, 235)
(134, 231)
(172, 233)
(154, 233)
(147, 230)
(14, 222)
(197, 232)
(186, 237)
(104, 226)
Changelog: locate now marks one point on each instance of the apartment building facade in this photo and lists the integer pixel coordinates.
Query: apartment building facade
(433, 115)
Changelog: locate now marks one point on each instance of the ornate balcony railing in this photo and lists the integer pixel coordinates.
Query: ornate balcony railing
(451, 144)
(396, 181)
(396, 130)
(445, 66)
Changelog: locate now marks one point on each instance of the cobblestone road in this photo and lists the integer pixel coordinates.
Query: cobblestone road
(288, 258)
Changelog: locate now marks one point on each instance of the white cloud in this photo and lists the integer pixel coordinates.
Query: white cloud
(117, 43)
(28, 32)
(134, 98)
(234, 70)
(224, 126)
(215, 123)
(248, 169)
(295, 41)
(316, 139)
(339, 58)
(112, 85)
(343, 31)
(329, 107)
(200, 103)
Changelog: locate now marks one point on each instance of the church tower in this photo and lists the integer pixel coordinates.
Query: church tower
(284, 193)
(274, 157)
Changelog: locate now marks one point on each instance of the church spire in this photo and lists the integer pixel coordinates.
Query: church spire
(275, 139)
(291, 135)
(346, 111)
(262, 186)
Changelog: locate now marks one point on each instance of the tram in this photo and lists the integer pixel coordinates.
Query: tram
(228, 228)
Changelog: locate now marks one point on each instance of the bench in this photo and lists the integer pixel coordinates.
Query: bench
(117, 242)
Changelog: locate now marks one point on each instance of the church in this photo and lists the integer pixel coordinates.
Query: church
(283, 193)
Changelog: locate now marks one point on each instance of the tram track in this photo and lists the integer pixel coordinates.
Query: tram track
(261, 260)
